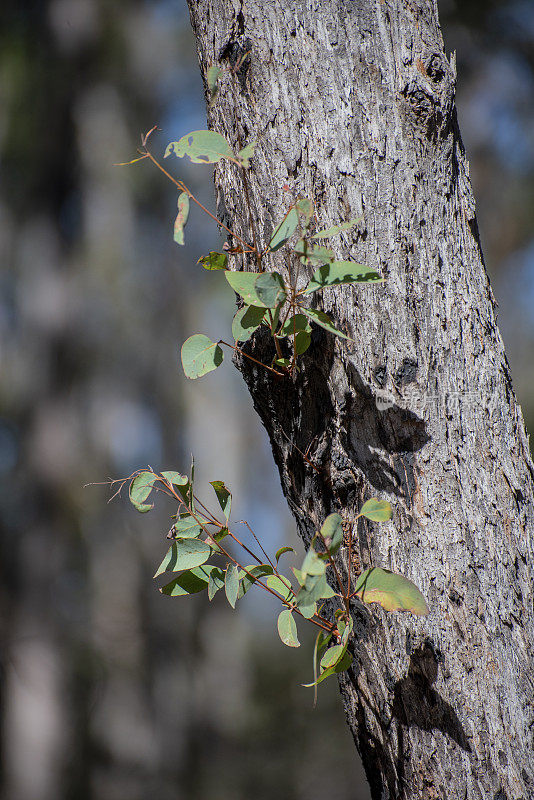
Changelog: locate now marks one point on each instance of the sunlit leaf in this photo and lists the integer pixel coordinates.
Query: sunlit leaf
(200, 355)
(270, 288)
(184, 554)
(214, 260)
(246, 321)
(338, 272)
(281, 552)
(285, 230)
(287, 629)
(332, 532)
(314, 254)
(140, 488)
(190, 582)
(333, 656)
(246, 154)
(281, 586)
(244, 284)
(231, 584)
(322, 319)
(202, 147)
(335, 229)
(376, 510)
(175, 478)
(393, 592)
(223, 496)
(312, 564)
(181, 218)
(341, 666)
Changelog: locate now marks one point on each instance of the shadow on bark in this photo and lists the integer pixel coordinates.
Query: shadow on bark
(381, 440)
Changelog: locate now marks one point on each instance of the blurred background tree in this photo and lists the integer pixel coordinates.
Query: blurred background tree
(108, 688)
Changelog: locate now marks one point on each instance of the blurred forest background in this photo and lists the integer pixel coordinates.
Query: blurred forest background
(110, 690)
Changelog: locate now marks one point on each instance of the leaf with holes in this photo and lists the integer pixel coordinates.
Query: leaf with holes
(393, 592)
(223, 496)
(202, 147)
(214, 260)
(200, 355)
(140, 488)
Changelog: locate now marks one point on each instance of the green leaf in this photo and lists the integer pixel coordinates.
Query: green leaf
(338, 272)
(305, 207)
(287, 629)
(184, 554)
(246, 321)
(214, 260)
(281, 552)
(302, 342)
(332, 532)
(202, 147)
(270, 288)
(333, 656)
(200, 355)
(249, 578)
(190, 582)
(299, 575)
(175, 478)
(212, 77)
(393, 592)
(140, 488)
(308, 609)
(312, 564)
(216, 582)
(285, 230)
(281, 586)
(322, 319)
(296, 323)
(282, 362)
(376, 510)
(246, 154)
(313, 255)
(231, 584)
(223, 496)
(186, 528)
(335, 229)
(244, 284)
(315, 588)
(341, 666)
(181, 219)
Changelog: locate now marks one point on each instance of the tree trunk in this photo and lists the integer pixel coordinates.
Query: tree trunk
(352, 104)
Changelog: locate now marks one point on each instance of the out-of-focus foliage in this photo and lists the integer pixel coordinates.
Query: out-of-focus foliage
(108, 691)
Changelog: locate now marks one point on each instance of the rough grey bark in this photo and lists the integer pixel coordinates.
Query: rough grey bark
(352, 103)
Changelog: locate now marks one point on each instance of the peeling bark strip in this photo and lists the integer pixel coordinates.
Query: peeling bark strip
(352, 103)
